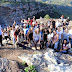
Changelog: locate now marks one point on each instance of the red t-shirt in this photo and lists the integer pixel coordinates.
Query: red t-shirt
(30, 20)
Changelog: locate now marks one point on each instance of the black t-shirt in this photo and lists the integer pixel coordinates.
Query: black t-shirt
(53, 23)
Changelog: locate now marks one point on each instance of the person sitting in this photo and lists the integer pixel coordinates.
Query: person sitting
(64, 47)
(66, 35)
(6, 34)
(20, 40)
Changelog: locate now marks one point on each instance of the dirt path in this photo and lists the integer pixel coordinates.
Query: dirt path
(13, 54)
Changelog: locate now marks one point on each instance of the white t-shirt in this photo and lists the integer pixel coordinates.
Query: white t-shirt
(59, 33)
(57, 24)
(12, 33)
(36, 36)
(49, 36)
(64, 47)
(5, 34)
(24, 30)
(70, 32)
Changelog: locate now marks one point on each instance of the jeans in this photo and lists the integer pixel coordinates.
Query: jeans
(13, 40)
(59, 42)
(56, 45)
(71, 42)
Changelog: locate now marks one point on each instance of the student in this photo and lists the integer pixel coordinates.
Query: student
(45, 37)
(30, 35)
(62, 18)
(57, 24)
(29, 24)
(66, 35)
(1, 36)
(49, 38)
(31, 20)
(55, 40)
(20, 41)
(16, 33)
(60, 33)
(36, 37)
(12, 34)
(64, 26)
(70, 32)
(25, 31)
(65, 46)
(6, 34)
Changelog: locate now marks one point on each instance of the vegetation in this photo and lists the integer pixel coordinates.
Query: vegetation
(27, 68)
(47, 16)
(61, 7)
(30, 69)
(23, 64)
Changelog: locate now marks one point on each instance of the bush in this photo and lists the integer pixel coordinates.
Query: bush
(30, 69)
(47, 16)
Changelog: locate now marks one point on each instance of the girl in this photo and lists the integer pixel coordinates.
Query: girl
(64, 47)
(6, 34)
(49, 38)
(45, 37)
(36, 37)
(30, 35)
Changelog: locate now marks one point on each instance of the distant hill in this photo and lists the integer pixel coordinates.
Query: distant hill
(58, 2)
(61, 6)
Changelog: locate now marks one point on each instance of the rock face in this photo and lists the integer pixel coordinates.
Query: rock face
(49, 61)
(9, 66)
(16, 11)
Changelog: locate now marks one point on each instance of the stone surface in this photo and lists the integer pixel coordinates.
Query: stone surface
(9, 66)
(49, 61)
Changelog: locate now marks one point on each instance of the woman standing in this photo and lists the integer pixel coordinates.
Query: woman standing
(36, 37)
(55, 40)
(49, 38)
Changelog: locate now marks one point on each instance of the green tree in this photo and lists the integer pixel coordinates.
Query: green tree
(47, 16)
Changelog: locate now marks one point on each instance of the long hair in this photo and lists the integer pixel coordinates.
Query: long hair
(36, 31)
(63, 42)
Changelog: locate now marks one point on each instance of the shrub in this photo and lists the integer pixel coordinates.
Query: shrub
(47, 16)
(30, 69)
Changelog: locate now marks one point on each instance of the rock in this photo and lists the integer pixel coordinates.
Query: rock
(8, 66)
(50, 57)
(47, 60)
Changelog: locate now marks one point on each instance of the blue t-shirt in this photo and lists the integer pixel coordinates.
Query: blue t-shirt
(27, 30)
(29, 26)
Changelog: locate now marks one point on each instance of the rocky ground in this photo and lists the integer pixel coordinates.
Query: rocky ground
(48, 61)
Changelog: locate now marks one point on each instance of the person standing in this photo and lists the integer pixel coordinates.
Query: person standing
(55, 40)
(1, 36)
(70, 32)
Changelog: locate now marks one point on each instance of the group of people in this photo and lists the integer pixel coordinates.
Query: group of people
(52, 34)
